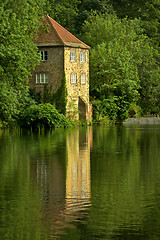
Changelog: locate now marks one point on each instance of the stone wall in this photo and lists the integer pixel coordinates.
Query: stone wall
(77, 90)
(53, 66)
(58, 62)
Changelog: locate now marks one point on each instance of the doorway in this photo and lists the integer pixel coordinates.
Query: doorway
(82, 109)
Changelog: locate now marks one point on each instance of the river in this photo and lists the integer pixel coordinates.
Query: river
(89, 183)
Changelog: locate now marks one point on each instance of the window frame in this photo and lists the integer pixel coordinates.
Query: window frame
(82, 57)
(73, 56)
(42, 78)
(83, 78)
(73, 78)
(44, 55)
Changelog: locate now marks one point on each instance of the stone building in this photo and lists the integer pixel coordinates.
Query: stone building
(63, 53)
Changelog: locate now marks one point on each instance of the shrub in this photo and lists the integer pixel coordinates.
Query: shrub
(12, 101)
(42, 116)
(104, 109)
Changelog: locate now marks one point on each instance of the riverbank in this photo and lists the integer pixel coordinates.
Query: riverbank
(142, 120)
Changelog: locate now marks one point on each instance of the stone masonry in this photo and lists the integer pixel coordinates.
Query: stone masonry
(53, 66)
(77, 90)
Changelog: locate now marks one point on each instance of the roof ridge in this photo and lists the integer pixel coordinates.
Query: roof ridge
(50, 19)
(65, 30)
(58, 36)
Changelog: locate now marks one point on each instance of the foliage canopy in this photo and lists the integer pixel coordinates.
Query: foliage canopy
(122, 64)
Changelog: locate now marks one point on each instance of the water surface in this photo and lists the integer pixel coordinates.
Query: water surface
(88, 183)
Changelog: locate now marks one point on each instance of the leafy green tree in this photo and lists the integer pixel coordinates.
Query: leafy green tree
(19, 22)
(86, 7)
(64, 12)
(147, 10)
(18, 55)
(122, 61)
(12, 102)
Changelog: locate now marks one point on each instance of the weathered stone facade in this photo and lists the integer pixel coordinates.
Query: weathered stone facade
(54, 66)
(78, 93)
(59, 46)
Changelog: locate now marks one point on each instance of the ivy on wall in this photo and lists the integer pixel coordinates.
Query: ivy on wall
(60, 97)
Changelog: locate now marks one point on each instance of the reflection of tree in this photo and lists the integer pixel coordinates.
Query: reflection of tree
(20, 204)
(125, 179)
(32, 189)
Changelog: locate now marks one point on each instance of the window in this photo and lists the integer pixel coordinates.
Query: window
(82, 57)
(73, 56)
(73, 77)
(83, 78)
(44, 55)
(41, 77)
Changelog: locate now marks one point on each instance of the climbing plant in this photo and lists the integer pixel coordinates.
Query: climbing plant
(60, 97)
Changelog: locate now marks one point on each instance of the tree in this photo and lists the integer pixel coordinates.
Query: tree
(12, 103)
(18, 54)
(86, 7)
(19, 22)
(64, 12)
(147, 10)
(122, 60)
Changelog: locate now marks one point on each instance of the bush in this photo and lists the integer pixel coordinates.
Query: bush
(42, 116)
(104, 109)
(12, 101)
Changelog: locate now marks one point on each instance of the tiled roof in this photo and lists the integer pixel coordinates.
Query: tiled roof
(56, 35)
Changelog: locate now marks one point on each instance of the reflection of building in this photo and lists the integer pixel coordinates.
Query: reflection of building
(78, 170)
(50, 177)
(64, 194)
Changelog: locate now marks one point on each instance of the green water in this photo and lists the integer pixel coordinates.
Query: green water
(88, 183)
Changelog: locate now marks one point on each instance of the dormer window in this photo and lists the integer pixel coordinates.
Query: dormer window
(82, 57)
(73, 56)
(44, 55)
